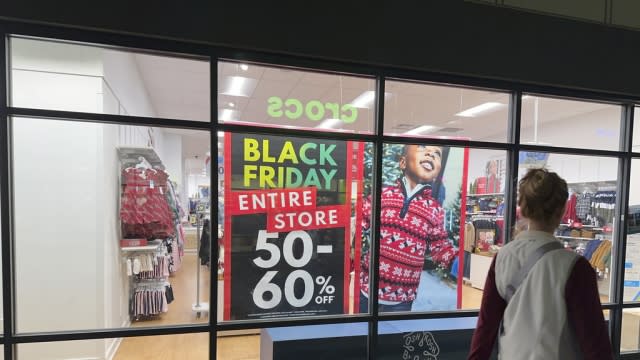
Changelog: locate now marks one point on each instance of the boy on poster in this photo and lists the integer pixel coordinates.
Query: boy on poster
(411, 221)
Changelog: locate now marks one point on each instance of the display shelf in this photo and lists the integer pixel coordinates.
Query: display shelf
(151, 247)
(483, 213)
(489, 194)
(592, 227)
(577, 238)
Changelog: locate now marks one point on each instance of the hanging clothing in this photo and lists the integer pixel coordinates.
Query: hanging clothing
(205, 244)
(144, 210)
(570, 212)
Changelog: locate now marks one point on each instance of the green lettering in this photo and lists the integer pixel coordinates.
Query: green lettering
(325, 154)
(298, 181)
(348, 119)
(275, 107)
(319, 110)
(312, 179)
(303, 153)
(334, 108)
(298, 108)
(328, 176)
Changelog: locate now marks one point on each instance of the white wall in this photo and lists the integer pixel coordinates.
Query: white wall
(122, 75)
(172, 156)
(57, 227)
(68, 264)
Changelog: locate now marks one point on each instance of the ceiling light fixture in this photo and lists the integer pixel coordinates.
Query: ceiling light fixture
(365, 100)
(423, 130)
(329, 124)
(232, 104)
(238, 86)
(482, 108)
(244, 67)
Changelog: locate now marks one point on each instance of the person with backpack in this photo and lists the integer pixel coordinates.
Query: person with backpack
(540, 301)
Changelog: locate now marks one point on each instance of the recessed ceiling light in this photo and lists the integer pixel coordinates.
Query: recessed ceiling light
(482, 108)
(238, 86)
(329, 124)
(232, 104)
(422, 130)
(244, 67)
(365, 100)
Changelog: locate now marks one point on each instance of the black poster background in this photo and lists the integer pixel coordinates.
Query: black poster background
(245, 275)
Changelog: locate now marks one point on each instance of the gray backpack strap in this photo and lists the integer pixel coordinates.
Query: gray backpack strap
(531, 261)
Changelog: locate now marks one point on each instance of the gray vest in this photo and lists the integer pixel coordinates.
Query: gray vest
(535, 321)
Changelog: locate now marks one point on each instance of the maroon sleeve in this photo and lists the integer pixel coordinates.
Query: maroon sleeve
(491, 312)
(584, 312)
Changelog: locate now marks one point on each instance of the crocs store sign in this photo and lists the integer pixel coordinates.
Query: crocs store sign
(313, 110)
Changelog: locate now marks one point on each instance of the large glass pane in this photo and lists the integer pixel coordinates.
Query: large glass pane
(420, 252)
(570, 123)
(347, 341)
(183, 346)
(632, 260)
(291, 242)
(484, 227)
(100, 225)
(64, 76)
(588, 224)
(425, 110)
(283, 97)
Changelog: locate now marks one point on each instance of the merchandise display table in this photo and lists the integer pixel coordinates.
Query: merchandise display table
(440, 338)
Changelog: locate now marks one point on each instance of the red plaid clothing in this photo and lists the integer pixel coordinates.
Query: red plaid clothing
(407, 227)
(144, 210)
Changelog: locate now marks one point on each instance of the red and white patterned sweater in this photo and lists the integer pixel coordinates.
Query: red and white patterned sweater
(406, 229)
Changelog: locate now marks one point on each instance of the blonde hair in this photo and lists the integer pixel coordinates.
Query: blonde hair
(542, 195)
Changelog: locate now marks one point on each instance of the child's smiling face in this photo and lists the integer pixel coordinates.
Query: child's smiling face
(421, 164)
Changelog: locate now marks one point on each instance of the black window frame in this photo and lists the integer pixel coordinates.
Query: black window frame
(9, 339)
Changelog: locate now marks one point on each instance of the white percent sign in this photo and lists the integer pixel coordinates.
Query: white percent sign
(326, 288)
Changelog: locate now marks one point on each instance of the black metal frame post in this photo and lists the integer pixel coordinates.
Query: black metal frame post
(5, 201)
(619, 250)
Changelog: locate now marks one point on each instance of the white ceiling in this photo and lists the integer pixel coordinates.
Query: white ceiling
(179, 88)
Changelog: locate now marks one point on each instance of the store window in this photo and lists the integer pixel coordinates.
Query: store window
(184, 346)
(570, 123)
(347, 341)
(421, 256)
(484, 220)
(291, 244)
(111, 223)
(64, 76)
(588, 224)
(425, 110)
(268, 96)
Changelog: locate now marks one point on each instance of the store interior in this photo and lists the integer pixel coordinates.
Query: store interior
(74, 224)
